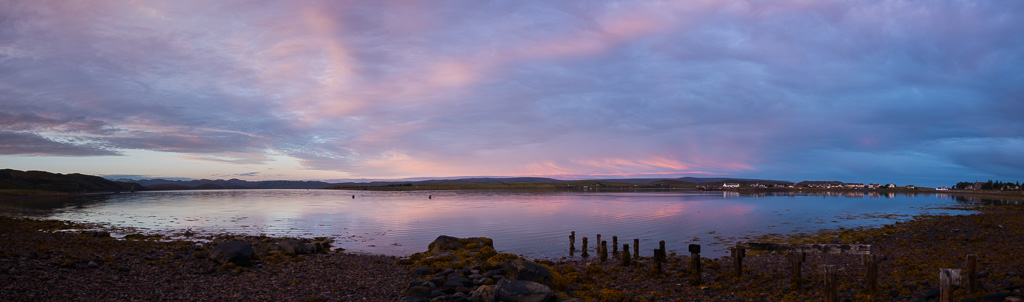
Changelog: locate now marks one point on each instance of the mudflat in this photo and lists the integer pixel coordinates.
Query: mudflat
(46, 260)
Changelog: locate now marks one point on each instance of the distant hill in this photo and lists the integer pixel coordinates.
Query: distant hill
(55, 182)
(219, 184)
(732, 180)
(683, 181)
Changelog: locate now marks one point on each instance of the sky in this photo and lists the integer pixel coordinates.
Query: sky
(908, 92)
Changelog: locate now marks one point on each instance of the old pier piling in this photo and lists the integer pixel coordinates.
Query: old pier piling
(695, 264)
(615, 245)
(625, 255)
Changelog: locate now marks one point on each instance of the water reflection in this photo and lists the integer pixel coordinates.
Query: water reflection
(531, 223)
(47, 205)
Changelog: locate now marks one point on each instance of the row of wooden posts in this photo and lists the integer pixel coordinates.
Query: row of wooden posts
(660, 254)
(796, 254)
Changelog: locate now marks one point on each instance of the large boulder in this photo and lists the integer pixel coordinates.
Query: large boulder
(527, 271)
(294, 247)
(448, 243)
(303, 246)
(522, 291)
(234, 251)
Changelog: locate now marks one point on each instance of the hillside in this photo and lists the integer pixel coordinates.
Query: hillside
(25, 181)
(219, 184)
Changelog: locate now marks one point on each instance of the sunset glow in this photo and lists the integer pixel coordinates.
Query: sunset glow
(889, 91)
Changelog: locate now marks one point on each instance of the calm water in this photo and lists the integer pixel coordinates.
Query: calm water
(531, 224)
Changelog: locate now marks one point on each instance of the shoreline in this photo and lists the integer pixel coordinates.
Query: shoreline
(38, 263)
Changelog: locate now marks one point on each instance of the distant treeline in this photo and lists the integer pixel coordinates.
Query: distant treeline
(989, 185)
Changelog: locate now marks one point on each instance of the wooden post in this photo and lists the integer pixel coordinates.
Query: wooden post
(636, 248)
(872, 276)
(598, 241)
(947, 278)
(572, 243)
(830, 291)
(972, 273)
(657, 261)
(615, 245)
(737, 260)
(797, 258)
(604, 251)
(694, 264)
(661, 246)
(625, 255)
(584, 254)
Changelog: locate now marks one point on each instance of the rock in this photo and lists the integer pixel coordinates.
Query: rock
(996, 296)
(483, 294)
(135, 236)
(415, 299)
(294, 247)
(477, 279)
(455, 281)
(1013, 299)
(438, 282)
(234, 251)
(421, 271)
(527, 271)
(492, 273)
(418, 291)
(93, 264)
(97, 234)
(522, 291)
(436, 293)
(931, 293)
(447, 243)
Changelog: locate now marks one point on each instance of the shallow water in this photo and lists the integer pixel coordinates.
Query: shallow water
(533, 224)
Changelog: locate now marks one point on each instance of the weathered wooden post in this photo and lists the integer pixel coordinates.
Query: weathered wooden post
(604, 251)
(584, 254)
(797, 258)
(872, 276)
(694, 264)
(830, 287)
(636, 248)
(972, 273)
(598, 241)
(657, 261)
(947, 278)
(572, 243)
(737, 260)
(615, 245)
(625, 255)
(661, 246)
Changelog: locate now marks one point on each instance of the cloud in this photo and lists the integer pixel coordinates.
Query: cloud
(14, 143)
(404, 89)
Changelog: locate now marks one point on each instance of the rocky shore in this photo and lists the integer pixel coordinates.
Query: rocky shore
(45, 260)
(910, 257)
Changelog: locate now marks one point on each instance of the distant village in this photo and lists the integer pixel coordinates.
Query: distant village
(964, 186)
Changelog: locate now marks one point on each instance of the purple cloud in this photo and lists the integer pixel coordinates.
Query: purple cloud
(404, 89)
